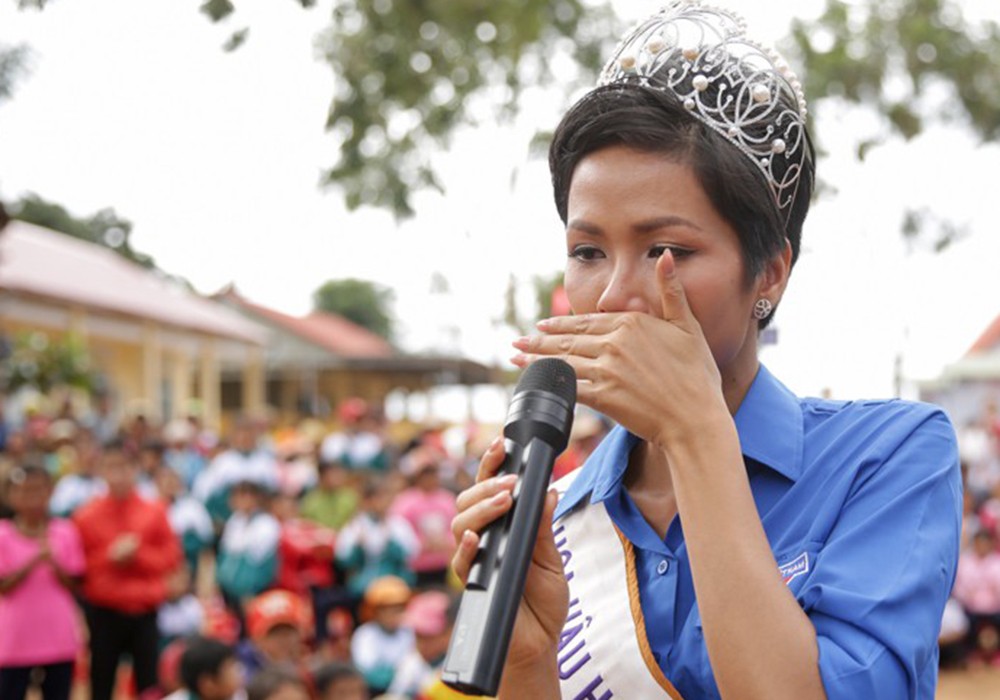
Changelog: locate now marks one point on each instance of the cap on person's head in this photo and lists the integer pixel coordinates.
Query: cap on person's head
(387, 590)
(352, 410)
(61, 430)
(274, 608)
(427, 613)
(178, 430)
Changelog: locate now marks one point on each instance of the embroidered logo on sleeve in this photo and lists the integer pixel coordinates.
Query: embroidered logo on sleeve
(795, 568)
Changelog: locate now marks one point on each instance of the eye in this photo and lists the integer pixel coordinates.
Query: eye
(586, 252)
(678, 253)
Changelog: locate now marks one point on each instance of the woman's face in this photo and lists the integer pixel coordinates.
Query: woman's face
(625, 208)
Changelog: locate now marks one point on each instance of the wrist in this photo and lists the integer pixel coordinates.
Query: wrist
(702, 429)
(534, 674)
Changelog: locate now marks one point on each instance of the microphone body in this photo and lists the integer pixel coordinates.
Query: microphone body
(536, 432)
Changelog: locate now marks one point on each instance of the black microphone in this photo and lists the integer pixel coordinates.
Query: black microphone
(536, 431)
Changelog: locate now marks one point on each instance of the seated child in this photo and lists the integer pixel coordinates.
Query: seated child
(209, 670)
(277, 624)
(378, 646)
(431, 616)
(339, 681)
(277, 684)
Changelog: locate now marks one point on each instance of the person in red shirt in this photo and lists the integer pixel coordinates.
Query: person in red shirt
(130, 550)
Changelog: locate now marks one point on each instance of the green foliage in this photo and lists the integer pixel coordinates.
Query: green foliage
(37, 361)
(104, 227)
(913, 61)
(545, 287)
(407, 72)
(13, 66)
(361, 301)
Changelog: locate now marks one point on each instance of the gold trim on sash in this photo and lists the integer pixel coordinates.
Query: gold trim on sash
(639, 620)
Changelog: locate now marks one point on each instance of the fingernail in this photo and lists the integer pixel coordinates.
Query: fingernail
(668, 264)
(521, 342)
(500, 497)
(496, 443)
(468, 539)
(519, 359)
(543, 324)
(507, 479)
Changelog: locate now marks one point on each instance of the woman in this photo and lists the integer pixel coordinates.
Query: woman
(41, 560)
(819, 538)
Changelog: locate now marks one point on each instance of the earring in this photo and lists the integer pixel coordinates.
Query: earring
(762, 309)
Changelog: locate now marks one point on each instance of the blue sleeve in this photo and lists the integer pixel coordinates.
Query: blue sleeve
(885, 572)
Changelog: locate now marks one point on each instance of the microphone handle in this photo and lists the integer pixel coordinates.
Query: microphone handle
(478, 647)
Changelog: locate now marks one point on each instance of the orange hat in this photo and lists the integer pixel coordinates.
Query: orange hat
(387, 590)
(268, 610)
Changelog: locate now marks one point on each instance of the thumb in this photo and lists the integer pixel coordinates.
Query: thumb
(673, 301)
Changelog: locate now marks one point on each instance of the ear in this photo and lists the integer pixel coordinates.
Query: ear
(774, 278)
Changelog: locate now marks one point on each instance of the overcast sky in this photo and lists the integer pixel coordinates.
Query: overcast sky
(216, 157)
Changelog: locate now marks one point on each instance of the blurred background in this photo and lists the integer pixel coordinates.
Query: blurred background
(268, 210)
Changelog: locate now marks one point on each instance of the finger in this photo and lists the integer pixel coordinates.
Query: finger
(485, 489)
(589, 346)
(464, 555)
(491, 460)
(477, 516)
(584, 324)
(673, 300)
(546, 553)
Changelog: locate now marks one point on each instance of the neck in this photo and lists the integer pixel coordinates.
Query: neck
(31, 521)
(738, 376)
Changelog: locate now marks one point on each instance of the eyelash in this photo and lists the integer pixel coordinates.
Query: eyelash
(587, 253)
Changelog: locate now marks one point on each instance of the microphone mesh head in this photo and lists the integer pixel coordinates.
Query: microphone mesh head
(549, 374)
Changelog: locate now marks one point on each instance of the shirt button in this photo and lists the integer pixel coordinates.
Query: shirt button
(662, 567)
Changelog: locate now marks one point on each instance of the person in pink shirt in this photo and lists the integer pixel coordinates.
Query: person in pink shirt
(429, 508)
(41, 559)
(977, 588)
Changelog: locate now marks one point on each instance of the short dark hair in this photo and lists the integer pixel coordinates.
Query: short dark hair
(203, 656)
(654, 121)
(267, 681)
(329, 673)
(29, 470)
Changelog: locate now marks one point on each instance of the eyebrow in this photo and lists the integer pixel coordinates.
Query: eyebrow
(643, 227)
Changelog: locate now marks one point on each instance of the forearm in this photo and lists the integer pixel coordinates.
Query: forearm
(9, 583)
(760, 642)
(536, 680)
(67, 581)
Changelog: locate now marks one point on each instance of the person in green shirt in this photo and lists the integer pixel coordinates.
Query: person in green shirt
(334, 501)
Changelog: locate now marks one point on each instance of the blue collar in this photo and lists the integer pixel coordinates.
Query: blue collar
(769, 424)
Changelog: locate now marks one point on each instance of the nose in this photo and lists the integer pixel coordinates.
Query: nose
(625, 291)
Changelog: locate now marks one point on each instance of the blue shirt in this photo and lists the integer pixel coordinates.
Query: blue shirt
(861, 503)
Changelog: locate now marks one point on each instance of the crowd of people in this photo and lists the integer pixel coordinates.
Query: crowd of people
(142, 560)
(970, 630)
(139, 560)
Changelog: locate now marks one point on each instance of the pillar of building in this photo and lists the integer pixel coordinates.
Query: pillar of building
(180, 385)
(210, 385)
(254, 382)
(152, 371)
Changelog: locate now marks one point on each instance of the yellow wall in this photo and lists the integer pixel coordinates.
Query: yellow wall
(139, 371)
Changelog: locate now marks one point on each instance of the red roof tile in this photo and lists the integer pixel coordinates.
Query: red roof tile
(331, 331)
(988, 340)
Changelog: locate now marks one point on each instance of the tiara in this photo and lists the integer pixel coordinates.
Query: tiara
(745, 92)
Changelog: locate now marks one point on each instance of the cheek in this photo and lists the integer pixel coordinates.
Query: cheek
(720, 311)
(582, 290)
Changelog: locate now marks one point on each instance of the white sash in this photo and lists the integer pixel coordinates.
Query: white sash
(603, 650)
